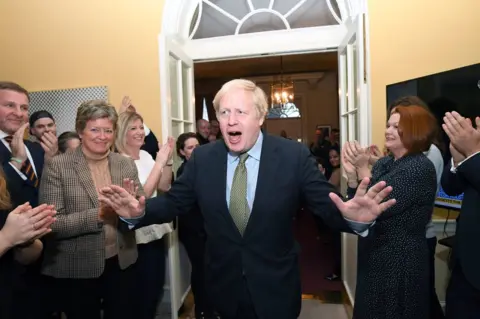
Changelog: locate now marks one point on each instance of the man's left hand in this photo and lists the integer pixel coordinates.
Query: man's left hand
(366, 206)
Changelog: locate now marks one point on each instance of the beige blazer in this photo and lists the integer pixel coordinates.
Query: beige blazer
(76, 247)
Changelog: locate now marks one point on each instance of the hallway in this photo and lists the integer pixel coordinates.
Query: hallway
(314, 309)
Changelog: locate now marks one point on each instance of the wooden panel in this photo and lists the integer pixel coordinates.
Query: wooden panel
(299, 63)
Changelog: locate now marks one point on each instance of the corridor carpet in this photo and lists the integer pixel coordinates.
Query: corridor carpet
(316, 256)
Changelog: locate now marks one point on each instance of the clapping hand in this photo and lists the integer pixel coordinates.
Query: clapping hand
(463, 136)
(25, 224)
(126, 105)
(165, 154)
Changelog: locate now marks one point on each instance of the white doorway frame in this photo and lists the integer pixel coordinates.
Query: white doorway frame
(176, 21)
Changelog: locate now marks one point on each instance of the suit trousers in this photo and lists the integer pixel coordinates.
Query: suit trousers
(463, 300)
(246, 309)
(113, 292)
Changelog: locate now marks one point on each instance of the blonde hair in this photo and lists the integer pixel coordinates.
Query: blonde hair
(5, 202)
(125, 119)
(259, 97)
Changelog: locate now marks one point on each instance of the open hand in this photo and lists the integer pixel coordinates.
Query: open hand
(366, 206)
(17, 145)
(122, 202)
(49, 143)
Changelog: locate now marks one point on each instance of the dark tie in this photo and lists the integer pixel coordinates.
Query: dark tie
(239, 209)
(27, 168)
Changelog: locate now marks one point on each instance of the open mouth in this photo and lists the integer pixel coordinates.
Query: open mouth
(234, 136)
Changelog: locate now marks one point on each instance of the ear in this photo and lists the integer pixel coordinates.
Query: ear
(182, 152)
(261, 120)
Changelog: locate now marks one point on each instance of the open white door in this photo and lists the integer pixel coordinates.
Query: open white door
(354, 121)
(177, 98)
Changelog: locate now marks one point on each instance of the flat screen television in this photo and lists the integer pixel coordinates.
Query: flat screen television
(453, 90)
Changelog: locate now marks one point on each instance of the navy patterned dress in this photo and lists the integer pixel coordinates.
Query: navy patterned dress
(393, 269)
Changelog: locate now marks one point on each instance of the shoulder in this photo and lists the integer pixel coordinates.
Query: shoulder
(420, 163)
(117, 157)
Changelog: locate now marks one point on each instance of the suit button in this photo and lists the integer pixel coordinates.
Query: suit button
(244, 272)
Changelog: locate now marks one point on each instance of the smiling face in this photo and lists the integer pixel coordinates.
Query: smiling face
(98, 136)
(239, 120)
(13, 110)
(334, 158)
(135, 134)
(392, 138)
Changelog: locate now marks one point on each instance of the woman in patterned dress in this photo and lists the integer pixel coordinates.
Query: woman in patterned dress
(393, 269)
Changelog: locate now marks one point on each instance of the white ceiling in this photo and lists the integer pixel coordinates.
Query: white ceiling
(213, 23)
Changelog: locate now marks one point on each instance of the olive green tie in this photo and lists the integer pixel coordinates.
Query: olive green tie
(238, 196)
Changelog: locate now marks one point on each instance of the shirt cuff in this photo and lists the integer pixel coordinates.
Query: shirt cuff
(453, 168)
(132, 222)
(359, 228)
(18, 172)
(146, 129)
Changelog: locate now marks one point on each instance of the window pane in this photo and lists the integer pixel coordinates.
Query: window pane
(174, 87)
(186, 90)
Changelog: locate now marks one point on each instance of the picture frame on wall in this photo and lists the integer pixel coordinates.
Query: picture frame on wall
(325, 129)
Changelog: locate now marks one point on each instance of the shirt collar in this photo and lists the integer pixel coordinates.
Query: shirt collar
(3, 134)
(254, 152)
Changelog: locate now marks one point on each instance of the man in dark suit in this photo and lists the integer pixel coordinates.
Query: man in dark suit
(21, 159)
(248, 187)
(461, 176)
(22, 162)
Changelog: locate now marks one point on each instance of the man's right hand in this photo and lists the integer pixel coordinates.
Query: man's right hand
(122, 202)
(18, 146)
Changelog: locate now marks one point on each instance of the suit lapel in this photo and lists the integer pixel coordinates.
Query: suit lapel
(267, 171)
(85, 176)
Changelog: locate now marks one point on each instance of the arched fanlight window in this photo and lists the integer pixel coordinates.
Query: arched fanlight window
(215, 18)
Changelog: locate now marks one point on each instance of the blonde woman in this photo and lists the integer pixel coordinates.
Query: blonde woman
(154, 175)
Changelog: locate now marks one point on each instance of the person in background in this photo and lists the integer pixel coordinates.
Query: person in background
(203, 131)
(215, 129)
(434, 154)
(212, 138)
(44, 129)
(335, 137)
(20, 230)
(192, 234)
(150, 144)
(461, 176)
(68, 141)
(154, 175)
(335, 179)
(394, 260)
(89, 256)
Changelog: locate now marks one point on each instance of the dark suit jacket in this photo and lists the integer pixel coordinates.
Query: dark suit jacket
(266, 257)
(467, 181)
(22, 191)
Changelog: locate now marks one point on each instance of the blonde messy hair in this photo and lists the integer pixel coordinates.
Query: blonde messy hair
(259, 97)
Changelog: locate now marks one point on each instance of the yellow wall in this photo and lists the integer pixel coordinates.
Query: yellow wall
(412, 38)
(69, 44)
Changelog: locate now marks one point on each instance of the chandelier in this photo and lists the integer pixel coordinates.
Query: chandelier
(281, 91)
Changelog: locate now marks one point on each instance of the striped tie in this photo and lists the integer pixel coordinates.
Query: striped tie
(26, 168)
(239, 209)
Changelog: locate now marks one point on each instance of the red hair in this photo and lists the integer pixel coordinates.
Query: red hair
(417, 128)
